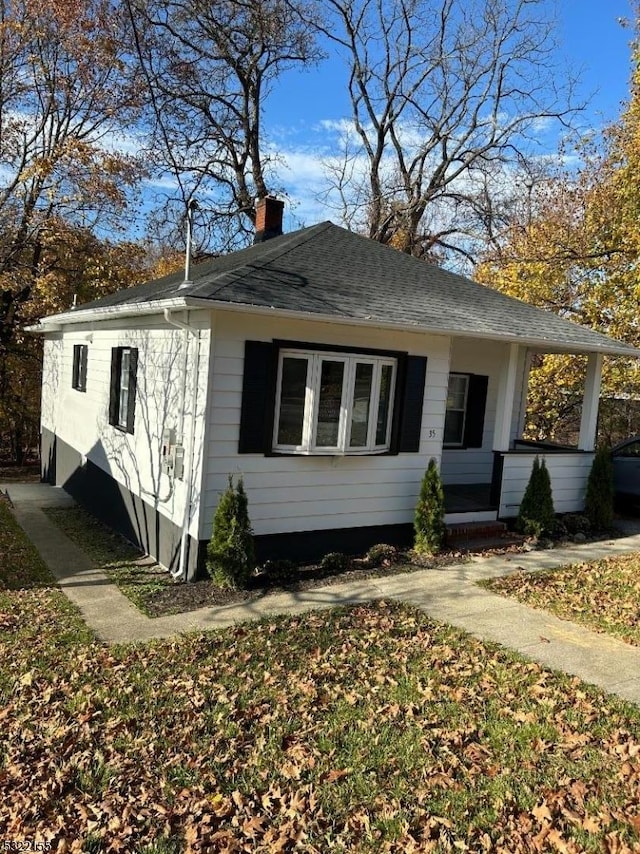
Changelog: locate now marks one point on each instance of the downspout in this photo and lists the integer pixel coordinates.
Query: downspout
(181, 571)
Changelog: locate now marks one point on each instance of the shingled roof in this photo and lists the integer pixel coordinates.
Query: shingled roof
(328, 271)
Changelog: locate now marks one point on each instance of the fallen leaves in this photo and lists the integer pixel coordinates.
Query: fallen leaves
(603, 595)
(367, 729)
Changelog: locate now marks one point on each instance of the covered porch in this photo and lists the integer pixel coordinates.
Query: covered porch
(487, 481)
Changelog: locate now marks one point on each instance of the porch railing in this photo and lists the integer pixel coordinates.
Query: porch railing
(568, 471)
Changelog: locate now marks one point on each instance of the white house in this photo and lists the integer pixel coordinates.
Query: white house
(325, 368)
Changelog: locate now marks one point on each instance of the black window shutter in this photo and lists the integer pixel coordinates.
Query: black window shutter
(76, 366)
(133, 380)
(415, 372)
(114, 385)
(258, 397)
(476, 406)
(80, 374)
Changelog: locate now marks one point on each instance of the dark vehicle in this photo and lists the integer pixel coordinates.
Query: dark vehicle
(626, 474)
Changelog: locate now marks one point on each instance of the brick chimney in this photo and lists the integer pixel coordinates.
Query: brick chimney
(268, 219)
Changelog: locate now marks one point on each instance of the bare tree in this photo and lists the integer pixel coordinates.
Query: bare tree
(208, 68)
(64, 93)
(448, 99)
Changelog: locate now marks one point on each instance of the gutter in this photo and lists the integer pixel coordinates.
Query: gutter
(58, 322)
(181, 571)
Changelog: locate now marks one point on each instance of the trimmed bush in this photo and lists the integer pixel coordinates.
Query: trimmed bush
(428, 523)
(280, 571)
(335, 562)
(537, 515)
(381, 554)
(600, 494)
(577, 523)
(230, 553)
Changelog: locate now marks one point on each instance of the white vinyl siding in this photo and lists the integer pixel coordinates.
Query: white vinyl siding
(289, 493)
(82, 420)
(475, 465)
(568, 473)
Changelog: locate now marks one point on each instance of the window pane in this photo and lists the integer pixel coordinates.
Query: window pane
(124, 389)
(329, 404)
(361, 405)
(457, 392)
(292, 397)
(384, 404)
(82, 367)
(453, 426)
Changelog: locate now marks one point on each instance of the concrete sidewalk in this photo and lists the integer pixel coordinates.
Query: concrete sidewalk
(449, 594)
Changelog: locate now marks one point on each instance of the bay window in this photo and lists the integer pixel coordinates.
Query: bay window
(333, 402)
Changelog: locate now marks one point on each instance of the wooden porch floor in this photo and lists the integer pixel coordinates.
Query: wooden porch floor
(467, 497)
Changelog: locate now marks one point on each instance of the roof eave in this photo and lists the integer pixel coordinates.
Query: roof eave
(57, 322)
(543, 344)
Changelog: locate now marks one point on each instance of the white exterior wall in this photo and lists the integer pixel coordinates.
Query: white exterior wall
(306, 493)
(475, 465)
(81, 419)
(568, 473)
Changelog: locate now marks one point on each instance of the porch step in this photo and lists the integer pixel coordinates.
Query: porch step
(481, 536)
(475, 530)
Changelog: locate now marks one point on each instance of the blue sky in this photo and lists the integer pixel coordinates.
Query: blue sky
(305, 109)
(592, 38)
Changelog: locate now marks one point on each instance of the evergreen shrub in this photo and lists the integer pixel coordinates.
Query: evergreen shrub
(600, 492)
(230, 553)
(428, 523)
(537, 514)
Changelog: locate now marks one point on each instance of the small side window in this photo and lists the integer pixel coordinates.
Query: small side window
(122, 396)
(456, 410)
(80, 358)
(466, 406)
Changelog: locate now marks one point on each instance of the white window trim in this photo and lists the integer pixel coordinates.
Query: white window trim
(79, 367)
(123, 388)
(459, 444)
(315, 359)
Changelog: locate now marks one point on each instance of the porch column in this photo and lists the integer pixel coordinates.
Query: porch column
(589, 420)
(506, 395)
(524, 394)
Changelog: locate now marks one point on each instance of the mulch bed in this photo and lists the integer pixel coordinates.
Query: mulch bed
(178, 597)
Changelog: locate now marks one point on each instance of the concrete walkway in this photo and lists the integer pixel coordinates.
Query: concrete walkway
(449, 594)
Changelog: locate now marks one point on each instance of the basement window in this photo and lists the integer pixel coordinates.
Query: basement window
(333, 403)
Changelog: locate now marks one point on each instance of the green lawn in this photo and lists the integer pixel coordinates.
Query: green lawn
(603, 595)
(119, 559)
(364, 729)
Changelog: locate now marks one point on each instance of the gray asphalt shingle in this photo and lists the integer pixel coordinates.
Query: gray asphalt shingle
(327, 270)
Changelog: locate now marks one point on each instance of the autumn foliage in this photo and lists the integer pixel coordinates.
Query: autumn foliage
(572, 246)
